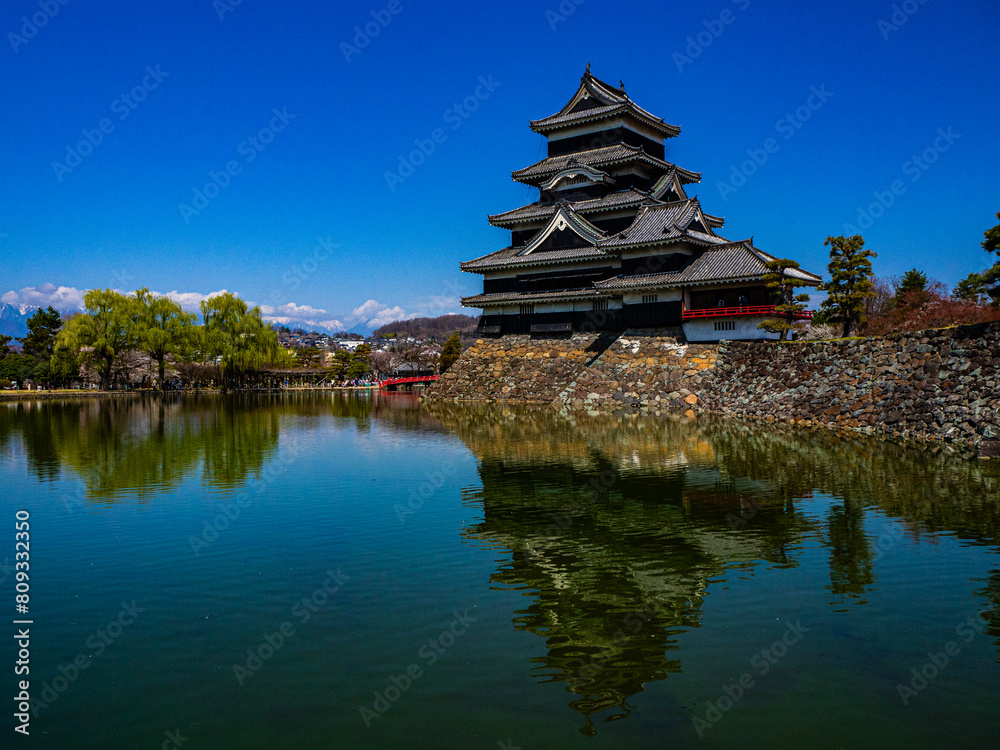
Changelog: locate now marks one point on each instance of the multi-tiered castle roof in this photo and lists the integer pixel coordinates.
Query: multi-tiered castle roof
(613, 231)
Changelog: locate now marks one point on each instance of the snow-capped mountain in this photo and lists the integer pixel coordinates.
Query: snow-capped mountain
(14, 319)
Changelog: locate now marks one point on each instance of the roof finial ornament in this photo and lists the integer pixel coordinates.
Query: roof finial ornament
(622, 82)
(587, 73)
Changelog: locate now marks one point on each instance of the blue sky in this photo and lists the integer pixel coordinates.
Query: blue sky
(306, 221)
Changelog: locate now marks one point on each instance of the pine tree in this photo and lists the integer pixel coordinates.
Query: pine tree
(991, 238)
(788, 303)
(972, 287)
(991, 276)
(43, 326)
(912, 281)
(450, 352)
(850, 283)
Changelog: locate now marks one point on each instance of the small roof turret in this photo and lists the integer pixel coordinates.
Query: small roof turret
(596, 100)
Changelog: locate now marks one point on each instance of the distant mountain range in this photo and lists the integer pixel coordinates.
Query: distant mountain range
(14, 322)
(14, 319)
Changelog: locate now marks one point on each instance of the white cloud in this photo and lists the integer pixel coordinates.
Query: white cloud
(191, 301)
(68, 298)
(62, 298)
(390, 315)
(371, 314)
(292, 310)
(367, 310)
(375, 314)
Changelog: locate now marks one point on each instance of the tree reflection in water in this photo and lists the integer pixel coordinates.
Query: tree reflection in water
(615, 526)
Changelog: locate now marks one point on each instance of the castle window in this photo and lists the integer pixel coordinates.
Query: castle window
(600, 304)
(527, 309)
(649, 299)
(725, 325)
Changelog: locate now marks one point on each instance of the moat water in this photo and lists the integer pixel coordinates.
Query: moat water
(331, 571)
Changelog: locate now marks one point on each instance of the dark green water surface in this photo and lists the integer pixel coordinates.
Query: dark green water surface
(327, 571)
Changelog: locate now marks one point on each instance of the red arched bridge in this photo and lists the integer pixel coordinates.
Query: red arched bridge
(393, 384)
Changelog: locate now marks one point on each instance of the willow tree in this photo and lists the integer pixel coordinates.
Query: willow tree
(163, 328)
(787, 303)
(237, 335)
(103, 334)
(850, 283)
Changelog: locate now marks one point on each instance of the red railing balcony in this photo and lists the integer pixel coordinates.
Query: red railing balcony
(735, 312)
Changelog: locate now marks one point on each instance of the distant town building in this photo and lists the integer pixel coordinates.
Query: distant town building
(614, 242)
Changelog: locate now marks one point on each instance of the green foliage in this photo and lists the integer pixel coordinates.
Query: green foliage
(341, 363)
(5, 345)
(912, 281)
(360, 363)
(308, 357)
(787, 303)
(450, 352)
(850, 283)
(17, 367)
(162, 328)
(988, 280)
(239, 337)
(972, 287)
(991, 282)
(991, 241)
(43, 326)
(104, 334)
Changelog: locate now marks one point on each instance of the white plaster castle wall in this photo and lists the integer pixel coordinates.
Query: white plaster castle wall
(746, 328)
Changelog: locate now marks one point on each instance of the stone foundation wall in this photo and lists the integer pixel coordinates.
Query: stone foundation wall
(940, 385)
(937, 385)
(649, 371)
